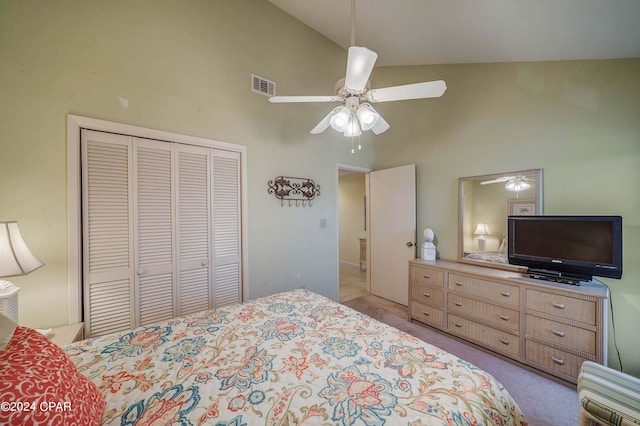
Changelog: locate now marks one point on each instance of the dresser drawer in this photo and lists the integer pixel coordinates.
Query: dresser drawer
(502, 342)
(428, 295)
(487, 312)
(503, 293)
(562, 306)
(427, 276)
(563, 334)
(554, 359)
(427, 314)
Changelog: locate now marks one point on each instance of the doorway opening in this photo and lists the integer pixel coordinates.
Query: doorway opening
(352, 233)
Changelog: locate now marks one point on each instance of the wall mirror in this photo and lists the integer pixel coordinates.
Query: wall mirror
(484, 202)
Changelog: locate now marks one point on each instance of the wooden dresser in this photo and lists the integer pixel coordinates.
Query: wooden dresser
(549, 326)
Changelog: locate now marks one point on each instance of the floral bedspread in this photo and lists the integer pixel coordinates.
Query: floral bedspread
(294, 358)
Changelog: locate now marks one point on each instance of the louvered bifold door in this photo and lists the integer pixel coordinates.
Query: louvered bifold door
(193, 223)
(154, 230)
(107, 233)
(226, 213)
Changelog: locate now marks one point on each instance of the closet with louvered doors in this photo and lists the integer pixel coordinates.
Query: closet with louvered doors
(161, 230)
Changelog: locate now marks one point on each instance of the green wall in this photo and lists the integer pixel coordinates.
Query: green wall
(184, 67)
(577, 120)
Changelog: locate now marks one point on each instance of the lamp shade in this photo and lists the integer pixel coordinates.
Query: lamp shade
(15, 257)
(367, 116)
(482, 229)
(340, 120)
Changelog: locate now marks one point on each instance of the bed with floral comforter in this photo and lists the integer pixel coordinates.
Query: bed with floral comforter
(294, 358)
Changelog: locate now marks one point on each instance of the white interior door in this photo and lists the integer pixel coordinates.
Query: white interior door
(162, 230)
(193, 239)
(108, 273)
(226, 221)
(392, 194)
(154, 234)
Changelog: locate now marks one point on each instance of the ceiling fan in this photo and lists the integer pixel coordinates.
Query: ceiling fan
(354, 92)
(512, 183)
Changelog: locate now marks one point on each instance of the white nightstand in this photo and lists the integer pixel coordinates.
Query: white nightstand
(67, 334)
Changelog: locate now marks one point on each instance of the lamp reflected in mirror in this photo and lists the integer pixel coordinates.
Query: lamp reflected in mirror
(482, 229)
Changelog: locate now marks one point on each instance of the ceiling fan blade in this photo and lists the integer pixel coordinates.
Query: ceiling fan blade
(286, 99)
(381, 126)
(427, 89)
(360, 63)
(325, 122)
(498, 180)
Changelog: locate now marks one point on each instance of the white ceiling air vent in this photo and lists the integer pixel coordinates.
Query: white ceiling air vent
(262, 85)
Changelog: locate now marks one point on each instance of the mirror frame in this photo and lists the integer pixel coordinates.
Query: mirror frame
(538, 211)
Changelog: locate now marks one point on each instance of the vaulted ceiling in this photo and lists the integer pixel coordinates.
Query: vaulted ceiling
(414, 32)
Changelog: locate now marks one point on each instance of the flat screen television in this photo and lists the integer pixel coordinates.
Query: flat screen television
(566, 249)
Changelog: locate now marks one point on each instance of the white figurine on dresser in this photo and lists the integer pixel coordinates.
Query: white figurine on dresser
(428, 248)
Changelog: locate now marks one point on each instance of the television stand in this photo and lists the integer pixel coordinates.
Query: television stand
(511, 315)
(557, 276)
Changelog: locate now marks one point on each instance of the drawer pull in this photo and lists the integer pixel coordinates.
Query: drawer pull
(558, 333)
(426, 313)
(505, 293)
(504, 317)
(557, 360)
(427, 294)
(459, 284)
(458, 304)
(504, 341)
(458, 325)
(558, 305)
(427, 276)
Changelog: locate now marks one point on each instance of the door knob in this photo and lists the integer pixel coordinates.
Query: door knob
(409, 244)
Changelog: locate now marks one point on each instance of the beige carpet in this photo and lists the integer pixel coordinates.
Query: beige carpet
(544, 401)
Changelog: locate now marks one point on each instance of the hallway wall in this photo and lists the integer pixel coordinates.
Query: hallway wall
(351, 193)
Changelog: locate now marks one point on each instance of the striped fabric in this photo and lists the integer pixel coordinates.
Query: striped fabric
(610, 396)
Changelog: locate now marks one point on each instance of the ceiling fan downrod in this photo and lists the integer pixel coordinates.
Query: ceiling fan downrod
(353, 23)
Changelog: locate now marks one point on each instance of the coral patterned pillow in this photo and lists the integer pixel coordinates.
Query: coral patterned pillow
(40, 385)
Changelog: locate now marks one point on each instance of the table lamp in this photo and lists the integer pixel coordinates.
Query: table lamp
(482, 229)
(15, 260)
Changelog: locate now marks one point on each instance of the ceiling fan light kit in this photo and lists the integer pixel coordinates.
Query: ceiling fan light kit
(357, 115)
(512, 183)
(517, 184)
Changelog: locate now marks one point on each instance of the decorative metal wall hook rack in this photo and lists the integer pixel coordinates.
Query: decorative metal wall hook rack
(293, 190)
